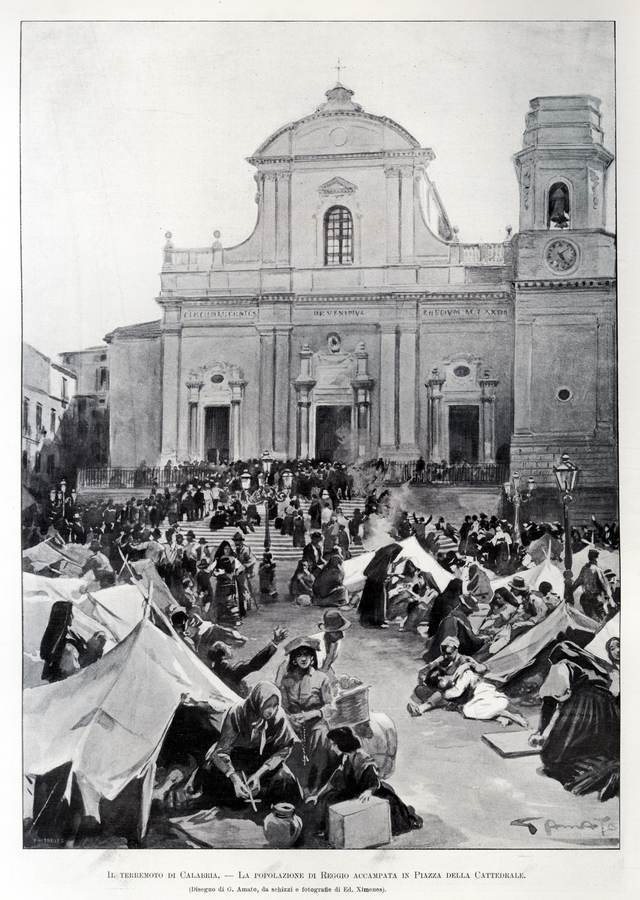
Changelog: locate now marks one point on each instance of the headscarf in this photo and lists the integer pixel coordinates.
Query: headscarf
(260, 694)
(567, 651)
(55, 636)
(378, 568)
(221, 548)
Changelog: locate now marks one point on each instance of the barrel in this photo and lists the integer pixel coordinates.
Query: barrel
(380, 740)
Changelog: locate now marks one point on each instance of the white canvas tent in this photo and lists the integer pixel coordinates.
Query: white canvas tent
(354, 578)
(598, 644)
(522, 651)
(109, 720)
(546, 571)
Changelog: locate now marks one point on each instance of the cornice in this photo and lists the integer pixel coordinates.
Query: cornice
(582, 284)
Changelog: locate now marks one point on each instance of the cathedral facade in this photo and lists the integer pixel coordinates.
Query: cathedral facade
(353, 322)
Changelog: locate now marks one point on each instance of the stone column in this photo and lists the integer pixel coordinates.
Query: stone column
(269, 218)
(281, 391)
(434, 387)
(283, 218)
(237, 385)
(304, 385)
(170, 397)
(407, 372)
(406, 214)
(488, 386)
(362, 384)
(392, 175)
(387, 387)
(266, 419)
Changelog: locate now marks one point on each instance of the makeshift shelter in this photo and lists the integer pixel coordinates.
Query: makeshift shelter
(105, 725)
(47, 556)
(354, 577)
(546, 571)
(564, 621)
(599, 644)
(545, 547)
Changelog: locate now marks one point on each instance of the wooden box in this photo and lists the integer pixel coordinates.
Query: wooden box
(355, 826)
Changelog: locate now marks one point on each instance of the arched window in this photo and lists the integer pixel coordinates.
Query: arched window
(338, 236)
(559, 207)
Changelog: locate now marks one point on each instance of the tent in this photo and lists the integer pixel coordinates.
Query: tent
(354, 568)
(47, 555)
(545, 547)
(546, 571)
(523, 650)
(607, 559)
(598, 644)
(108, 721)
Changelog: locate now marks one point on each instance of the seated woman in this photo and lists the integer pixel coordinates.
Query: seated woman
(249, 758)
(301, 583)
(579, 730)
(357, 776)
(328, 588)
(306, 697)
(62, 650)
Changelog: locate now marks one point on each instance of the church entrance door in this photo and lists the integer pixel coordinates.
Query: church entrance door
(333, 432)
(464, 424)
(216, 433)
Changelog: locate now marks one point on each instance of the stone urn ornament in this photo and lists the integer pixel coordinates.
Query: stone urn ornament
(282, 826)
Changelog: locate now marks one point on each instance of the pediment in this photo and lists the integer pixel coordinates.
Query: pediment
(337, 186)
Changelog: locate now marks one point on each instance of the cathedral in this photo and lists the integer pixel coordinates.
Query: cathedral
(353, 321)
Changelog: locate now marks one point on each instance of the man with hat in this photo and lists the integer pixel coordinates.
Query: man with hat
(595, 588)
(99, 565)
(532, 610)
(245, 579)
(312, 553)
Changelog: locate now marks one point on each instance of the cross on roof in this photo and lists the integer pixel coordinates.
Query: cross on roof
(339, 67)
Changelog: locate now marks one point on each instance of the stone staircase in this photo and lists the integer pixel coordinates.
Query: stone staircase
(281, 545)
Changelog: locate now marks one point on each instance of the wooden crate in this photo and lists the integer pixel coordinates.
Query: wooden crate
(355, 826)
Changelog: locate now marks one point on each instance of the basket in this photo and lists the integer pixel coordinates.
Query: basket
(351, 706)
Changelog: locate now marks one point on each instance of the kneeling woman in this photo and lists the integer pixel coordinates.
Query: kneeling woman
(357, 776)
(249, 758)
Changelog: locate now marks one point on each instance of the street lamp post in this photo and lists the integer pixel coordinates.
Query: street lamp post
(266, 462)
(245, 480)
(63, 491)
(287, 480)
(518, 497)
(566, 474)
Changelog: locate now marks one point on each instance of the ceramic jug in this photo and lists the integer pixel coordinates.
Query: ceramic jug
(282, 826)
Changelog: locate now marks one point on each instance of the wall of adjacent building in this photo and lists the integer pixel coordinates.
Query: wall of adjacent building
(135, 401)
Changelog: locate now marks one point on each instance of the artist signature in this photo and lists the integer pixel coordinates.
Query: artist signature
(600, 827)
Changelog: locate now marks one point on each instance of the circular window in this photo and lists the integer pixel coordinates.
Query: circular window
(564, 394)
(461, 371)
(217, 379)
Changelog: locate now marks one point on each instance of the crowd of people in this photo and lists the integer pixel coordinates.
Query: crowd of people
(277, 741)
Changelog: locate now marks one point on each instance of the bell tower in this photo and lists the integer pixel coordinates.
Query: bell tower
(564, 373)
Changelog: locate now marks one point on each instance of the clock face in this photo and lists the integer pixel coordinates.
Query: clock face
(561, 256)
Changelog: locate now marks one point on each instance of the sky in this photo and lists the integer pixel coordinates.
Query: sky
(135, 128)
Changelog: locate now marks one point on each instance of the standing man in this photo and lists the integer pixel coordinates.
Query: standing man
(248, 560)
(595, 588)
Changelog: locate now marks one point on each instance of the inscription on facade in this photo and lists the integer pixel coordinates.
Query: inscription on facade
(200, 314)
(468, 313)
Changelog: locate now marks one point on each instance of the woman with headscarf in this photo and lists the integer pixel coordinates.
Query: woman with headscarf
(357, 776)
(249, 758)
(443, 604)
(373, 602)
(306, 698)
(328, 588)
(301, 583)
(225, 609)
(60, 648)
(579, 730)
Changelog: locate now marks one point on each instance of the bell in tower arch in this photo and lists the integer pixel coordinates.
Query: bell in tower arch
(559, 209)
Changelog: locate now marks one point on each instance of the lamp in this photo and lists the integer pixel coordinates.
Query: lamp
(287, 479)
(266, 462)
(245, 480)
(566, 474)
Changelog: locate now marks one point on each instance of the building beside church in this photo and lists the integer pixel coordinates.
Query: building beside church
(353, 321)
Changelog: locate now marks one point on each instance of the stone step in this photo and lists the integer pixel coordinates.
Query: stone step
(281, 544)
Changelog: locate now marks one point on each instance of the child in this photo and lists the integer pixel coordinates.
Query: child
(357, 776)
(267, 576)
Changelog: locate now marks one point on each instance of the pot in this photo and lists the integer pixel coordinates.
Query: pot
(282, 826)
